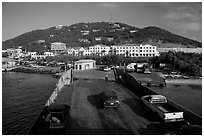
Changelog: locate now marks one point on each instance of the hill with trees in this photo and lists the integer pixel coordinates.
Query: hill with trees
(88, 34)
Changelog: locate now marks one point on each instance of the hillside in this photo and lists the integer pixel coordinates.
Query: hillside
(86, 34)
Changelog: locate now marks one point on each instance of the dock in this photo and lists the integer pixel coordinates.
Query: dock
(87, 118)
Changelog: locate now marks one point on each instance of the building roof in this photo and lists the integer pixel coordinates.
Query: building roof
(84, 61)
(57, 43)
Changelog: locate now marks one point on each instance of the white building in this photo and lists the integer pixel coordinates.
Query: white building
(77, 51)
(97, 38)
(134, 50)
(32, 54)
(58, 47)
(84, 64)
(48, 54)
(110, 38)
(100, 49)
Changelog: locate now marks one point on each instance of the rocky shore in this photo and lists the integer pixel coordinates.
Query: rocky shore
(184, 81)
(39, 70)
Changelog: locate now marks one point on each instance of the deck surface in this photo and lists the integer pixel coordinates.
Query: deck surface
(87, 117)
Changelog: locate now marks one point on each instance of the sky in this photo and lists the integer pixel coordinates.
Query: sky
(184, 18)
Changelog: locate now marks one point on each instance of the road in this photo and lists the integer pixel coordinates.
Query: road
(88, 118)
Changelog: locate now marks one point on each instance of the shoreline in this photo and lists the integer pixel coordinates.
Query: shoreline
(43, 70)
(184, 81)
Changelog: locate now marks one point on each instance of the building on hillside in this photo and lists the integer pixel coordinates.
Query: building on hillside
(185, 50)
(110, 39)
(100, 50)
(40, 56)
(48, 54)
(8, 63)
(135, 50)
(41, 41)
(58, 47)
(33, 55)
(97, 38)
(84, 64)
(78, 51)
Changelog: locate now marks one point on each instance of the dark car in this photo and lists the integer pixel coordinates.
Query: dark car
(52, 120)
(109, 99)
(101, 68)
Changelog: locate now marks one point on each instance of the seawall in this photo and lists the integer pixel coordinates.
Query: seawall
(131, 83)
(65, 79)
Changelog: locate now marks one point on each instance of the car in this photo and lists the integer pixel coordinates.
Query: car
(109, 99)
(101, 68)
(107, 68)
(159, 105)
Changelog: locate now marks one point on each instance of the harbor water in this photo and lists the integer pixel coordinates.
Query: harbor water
(23, 98)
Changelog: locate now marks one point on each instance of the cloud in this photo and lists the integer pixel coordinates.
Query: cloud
(109, 5)
(185, 27)
(185, 17)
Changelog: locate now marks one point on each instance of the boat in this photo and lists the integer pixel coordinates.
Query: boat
(53, 120)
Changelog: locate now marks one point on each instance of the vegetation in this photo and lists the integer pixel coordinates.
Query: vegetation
(188, 63)
(120, 34)
(100, 60)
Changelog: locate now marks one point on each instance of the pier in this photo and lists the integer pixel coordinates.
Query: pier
(87, 118)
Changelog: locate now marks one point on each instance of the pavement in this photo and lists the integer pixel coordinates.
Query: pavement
(88, 118)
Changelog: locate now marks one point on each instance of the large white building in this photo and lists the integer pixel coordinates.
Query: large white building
(134, 50)
(58, 47)
(100, 49)
(77, 51)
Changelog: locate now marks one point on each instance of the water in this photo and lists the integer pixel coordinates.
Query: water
(188, 96)
(23, 98)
